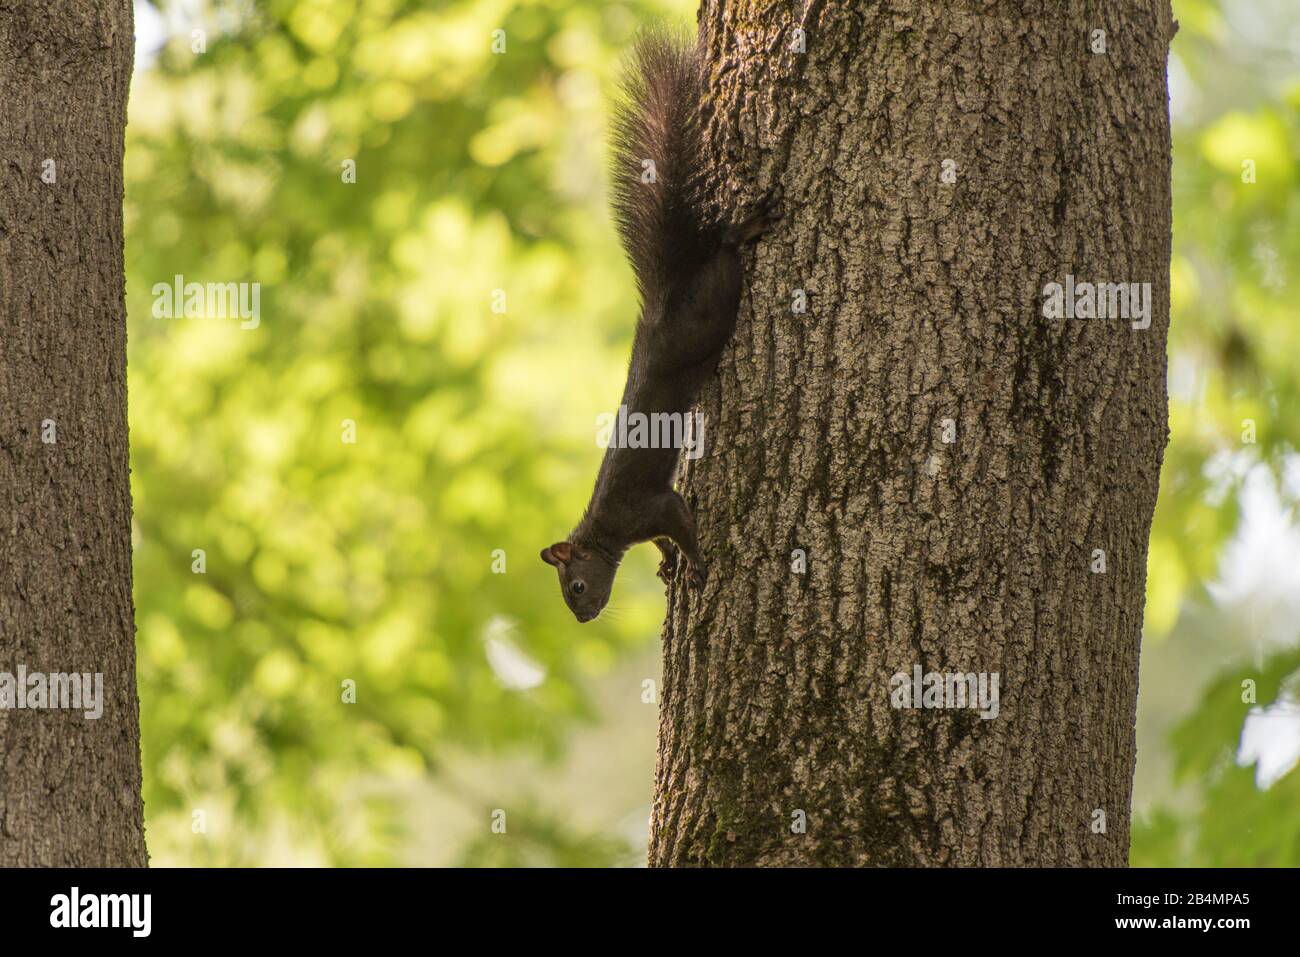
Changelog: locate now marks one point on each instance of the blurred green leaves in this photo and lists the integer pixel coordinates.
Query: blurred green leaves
(368, 561)
(1232, 821)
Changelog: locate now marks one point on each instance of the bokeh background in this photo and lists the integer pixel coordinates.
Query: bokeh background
(403, 564)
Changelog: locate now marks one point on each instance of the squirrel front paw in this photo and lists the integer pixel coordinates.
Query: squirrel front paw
(696, 575)
(761, 214)
(667, 566)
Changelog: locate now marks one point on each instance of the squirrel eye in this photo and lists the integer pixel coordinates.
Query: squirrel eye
(579, 587)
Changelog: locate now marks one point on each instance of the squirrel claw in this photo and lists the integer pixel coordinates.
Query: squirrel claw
(768, 208)
(696, 575)
(666, 568)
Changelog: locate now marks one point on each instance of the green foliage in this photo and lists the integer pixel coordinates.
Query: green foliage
(1233, 821)
(331, 561)
(547, 842)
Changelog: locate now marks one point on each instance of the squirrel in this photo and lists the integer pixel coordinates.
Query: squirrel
(686, 258)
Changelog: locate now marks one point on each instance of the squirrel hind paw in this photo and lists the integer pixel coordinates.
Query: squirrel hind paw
(757, 218)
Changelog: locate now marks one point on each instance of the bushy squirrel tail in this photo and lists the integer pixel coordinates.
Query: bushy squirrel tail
(657, 169)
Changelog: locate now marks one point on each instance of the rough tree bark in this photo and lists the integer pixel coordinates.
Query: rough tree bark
(925, 304)
(69, 785)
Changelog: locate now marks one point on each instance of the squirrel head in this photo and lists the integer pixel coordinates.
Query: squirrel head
(586, 578)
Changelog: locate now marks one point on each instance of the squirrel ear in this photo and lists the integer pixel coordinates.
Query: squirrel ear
(558, 554)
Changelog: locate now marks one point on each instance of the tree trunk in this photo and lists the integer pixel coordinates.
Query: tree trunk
(69, 784)
(956, 466)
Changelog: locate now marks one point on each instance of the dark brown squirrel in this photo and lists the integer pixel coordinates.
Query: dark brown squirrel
(688, 273)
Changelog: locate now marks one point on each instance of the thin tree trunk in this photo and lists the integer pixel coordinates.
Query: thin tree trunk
(779, 740)
(69, 784)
